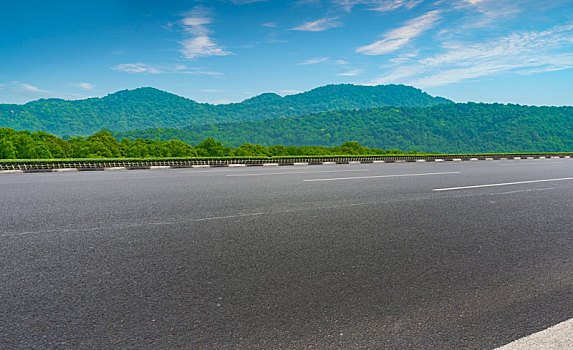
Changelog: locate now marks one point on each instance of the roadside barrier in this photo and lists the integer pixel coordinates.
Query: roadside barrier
(19, 166)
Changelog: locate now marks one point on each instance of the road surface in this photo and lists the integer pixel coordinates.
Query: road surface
(449, 255)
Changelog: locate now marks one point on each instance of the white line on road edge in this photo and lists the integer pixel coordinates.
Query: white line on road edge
(559, 336)
(11, 171)
(381, 176)
(160, 167)
(502, 184)
(237, 165)
(300, 164)
(65, 170)
(295, 172)
(115, 168)
(270, 164)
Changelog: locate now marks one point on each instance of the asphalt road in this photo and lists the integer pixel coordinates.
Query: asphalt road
(371, 256)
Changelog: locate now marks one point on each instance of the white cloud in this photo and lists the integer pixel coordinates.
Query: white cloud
(486, 12)
(194, 22)
(84, 86)
(201, 46)
(378, 5)
(243, 2)
(351, 73)
(319, 25)
(314, 61)
(137, 68)
(397, 38)
(341, 62)
(521, 53)
(391, 5)
(32, 88)
(178, 69)
(270, 25)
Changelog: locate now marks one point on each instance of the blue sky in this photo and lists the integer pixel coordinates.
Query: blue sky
(218, 51)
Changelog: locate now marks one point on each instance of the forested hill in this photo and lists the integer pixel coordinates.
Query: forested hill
(447, 128)
(151, 108)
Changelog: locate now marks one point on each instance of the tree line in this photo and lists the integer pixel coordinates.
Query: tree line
(446, 128)
(41, 145)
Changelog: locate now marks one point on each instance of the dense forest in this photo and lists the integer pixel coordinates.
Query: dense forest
(40, 145)
(151, 108)
(446, 128)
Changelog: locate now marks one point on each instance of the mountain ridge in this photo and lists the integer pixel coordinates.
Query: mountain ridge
(149, 107)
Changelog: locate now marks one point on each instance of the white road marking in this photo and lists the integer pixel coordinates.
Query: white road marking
(502, 184)
(294, 172)
(544, 163)
(559, 336)
(381, 176)
(160, 167)
(115, 168)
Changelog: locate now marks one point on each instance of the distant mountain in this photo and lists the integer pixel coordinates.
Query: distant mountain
(447, 128)
(151, 108)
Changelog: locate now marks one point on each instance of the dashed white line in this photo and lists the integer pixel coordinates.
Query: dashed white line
(501, 184)
(381, 176)
(537, 164)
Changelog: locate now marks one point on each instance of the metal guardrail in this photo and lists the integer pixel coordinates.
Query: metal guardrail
(146, 164)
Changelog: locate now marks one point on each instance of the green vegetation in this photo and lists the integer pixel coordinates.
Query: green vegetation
(446, 128)
(151, 108)
(40, 145)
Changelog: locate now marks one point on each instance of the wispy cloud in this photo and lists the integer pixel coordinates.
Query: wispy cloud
(137, 68)
(314, 61)
(84, 86)
(521, 53)
(32, 92)
(487, 12)
(270, 25)
(243, 2)
(32, 88)
(150, 69)
(378, 5)
(319, 25)
(352, 73)
(397, 38)
(194, 22)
